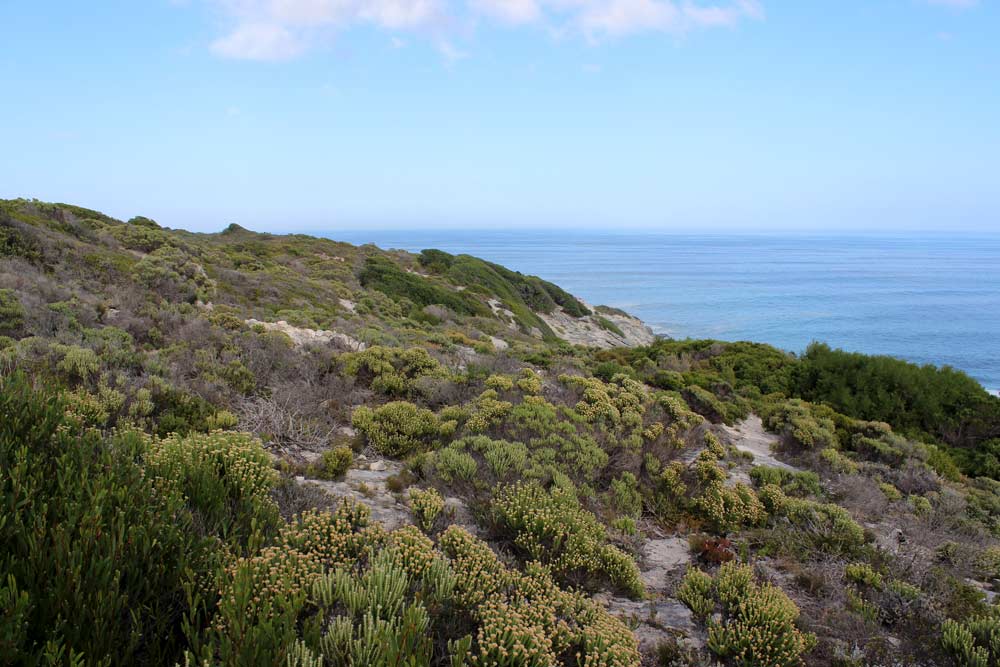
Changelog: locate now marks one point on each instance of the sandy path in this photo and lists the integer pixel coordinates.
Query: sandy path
(749, 436)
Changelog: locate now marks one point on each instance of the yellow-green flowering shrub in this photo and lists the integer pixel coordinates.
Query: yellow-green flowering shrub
(500, 382)
(397, 428)
(413, 549)
(334, 462)
(653, 431)
(678, 411)
(78, 363)
(973, 642)
(713, 445)
(824, 526)
(863, 574)
(526, 619)
(726, 508)
(758, 625)
(227, 478)
(529, 382)
(838, 461)
(920, 505)
(672, 478)
(392, 371)
(263, 598)
(890, 492)
(487, 411)
(336, 538)
(427, 506)
(552, 528)
(798, 421)
(617, 405)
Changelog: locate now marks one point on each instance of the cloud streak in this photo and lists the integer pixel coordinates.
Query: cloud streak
(285, 29)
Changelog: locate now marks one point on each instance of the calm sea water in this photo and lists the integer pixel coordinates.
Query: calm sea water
(929, 299)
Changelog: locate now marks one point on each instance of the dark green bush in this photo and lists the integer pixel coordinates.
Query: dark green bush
(385, 276)
(11, 312)
(793, 482)
(95, 555)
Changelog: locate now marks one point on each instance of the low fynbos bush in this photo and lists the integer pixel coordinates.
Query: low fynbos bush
(725, 508)
(799, 483)
(973, 642)
(758, 621)
(226, 477)
(398, 428)
(818, 526)
(863, 575)
(334, 462)
(392, 371)
(552, 528)
(799, 422)
(427, 506)
(454, 464)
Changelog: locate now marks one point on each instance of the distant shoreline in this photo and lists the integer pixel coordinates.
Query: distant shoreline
(913, 297)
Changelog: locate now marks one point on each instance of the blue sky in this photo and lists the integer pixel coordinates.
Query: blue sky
(609, 114)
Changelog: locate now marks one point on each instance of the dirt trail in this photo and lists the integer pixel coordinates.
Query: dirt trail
(749, 436)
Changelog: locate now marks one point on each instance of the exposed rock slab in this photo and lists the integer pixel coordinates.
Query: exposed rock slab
(368, 486)
(659, 558)
(588, 331)
(301, 336)
(655, 621)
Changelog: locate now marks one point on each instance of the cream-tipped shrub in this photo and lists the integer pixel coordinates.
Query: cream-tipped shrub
(552, 528)
(427, 506)
(397, 428)
(226, 477)
(758, 621)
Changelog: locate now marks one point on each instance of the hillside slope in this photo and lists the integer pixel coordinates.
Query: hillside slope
(250, 449)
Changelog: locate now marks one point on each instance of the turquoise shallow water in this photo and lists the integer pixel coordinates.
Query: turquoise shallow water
(928, 299)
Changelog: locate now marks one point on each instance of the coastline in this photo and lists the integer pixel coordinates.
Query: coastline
(853, 292)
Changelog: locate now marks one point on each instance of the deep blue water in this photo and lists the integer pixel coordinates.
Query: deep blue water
(927, 299)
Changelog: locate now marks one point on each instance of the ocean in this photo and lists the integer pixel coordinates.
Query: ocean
(926, 299)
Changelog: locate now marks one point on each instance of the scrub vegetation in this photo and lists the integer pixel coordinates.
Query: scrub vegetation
(181, 416)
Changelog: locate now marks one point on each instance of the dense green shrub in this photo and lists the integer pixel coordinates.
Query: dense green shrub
(454, 464)
(385, 276)
(552, 528)
(334, 462)
(814, 526)
(398, 428)
(799, 483)
(11, 312)
(943, 402)
(95, 555)
(974, 642)
(227, 479)
(758, 626)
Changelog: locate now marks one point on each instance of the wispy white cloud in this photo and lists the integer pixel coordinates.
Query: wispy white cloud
(259, 41)
(285, 29)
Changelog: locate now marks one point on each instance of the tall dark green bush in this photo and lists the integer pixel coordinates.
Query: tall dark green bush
(94, 554)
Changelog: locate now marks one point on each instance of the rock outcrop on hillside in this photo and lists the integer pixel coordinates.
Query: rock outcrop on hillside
(591, 331)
